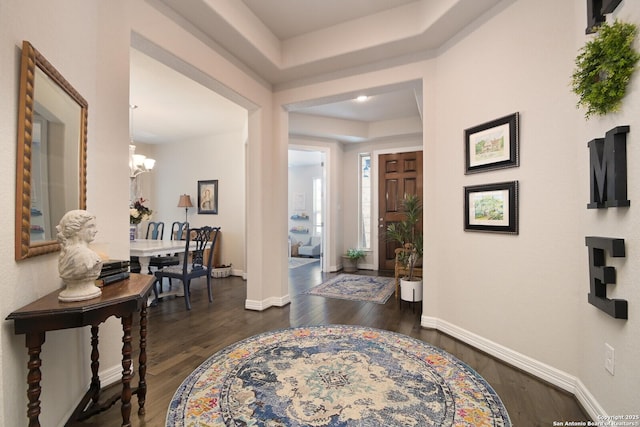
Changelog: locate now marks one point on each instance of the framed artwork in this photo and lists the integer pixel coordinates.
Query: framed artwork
(492, 145)
(208, 197)
(299, 202)
(491, 207)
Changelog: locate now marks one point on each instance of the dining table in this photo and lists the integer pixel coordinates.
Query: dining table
(144, 249)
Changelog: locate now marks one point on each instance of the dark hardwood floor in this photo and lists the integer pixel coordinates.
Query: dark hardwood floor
(179, 341)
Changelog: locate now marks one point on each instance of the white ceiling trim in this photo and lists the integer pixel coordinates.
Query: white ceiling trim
(284, 44)
(349, 131)
(414, 27)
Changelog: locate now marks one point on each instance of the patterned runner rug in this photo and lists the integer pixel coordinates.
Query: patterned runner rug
(357, 288)
(335, 376)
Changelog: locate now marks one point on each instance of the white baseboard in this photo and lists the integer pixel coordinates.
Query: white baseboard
(237, 272)
(269, 302)
(114, 374)
(108, 376)
(588, 402)
(534, 367)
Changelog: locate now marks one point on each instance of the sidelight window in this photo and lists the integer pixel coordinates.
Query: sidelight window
(364, 187)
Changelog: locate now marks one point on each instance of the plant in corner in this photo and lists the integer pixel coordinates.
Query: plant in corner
(407, 233)
(354, 255)
(604, 67)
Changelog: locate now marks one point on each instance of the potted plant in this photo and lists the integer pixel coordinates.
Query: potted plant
(407, 233)
(350, 260)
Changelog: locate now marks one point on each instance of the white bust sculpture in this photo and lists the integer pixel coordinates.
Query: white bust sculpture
(78, 265)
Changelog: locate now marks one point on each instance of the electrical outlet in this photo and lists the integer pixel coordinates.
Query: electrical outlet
(609, 358)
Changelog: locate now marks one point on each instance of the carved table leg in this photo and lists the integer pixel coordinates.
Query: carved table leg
(34, 343)
(142, 384)
(95, 365)
(126, 370)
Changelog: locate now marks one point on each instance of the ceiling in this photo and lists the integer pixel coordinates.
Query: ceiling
(287, 43)
(303, 17)
(172, 107)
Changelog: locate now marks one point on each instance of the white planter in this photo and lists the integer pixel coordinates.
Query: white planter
(410, 290)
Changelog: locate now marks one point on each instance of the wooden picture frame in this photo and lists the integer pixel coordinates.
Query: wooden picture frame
(492, 207)
(208, 197)
(493, 145)
(36, 211)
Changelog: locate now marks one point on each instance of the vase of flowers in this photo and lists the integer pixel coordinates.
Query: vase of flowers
(138, 212)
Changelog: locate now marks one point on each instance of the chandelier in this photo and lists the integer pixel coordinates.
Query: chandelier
(137, 162)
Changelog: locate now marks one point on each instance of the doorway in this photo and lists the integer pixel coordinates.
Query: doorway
(307, 204)
(398, 174)
(184, 110)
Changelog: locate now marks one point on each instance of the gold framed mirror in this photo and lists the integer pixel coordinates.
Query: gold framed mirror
(51, 164)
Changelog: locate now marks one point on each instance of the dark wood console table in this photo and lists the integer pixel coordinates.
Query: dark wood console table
(120, 299)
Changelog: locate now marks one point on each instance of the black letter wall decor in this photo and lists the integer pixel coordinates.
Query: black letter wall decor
(595, 17)
(608, 169)
(596, 9)
(600, 274)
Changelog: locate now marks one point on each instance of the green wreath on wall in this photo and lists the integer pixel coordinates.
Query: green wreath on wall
(604, 67)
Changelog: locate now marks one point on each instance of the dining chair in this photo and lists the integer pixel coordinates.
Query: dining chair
(155, 230)
(162, 261)
(178, 230)
(193, 265)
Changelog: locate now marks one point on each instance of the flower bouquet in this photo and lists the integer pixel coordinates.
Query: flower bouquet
(139, 212)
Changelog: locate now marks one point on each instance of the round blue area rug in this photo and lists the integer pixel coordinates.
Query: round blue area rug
(335, 376)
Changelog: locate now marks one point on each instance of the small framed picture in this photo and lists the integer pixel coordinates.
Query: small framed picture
(491, 207)
(492, 145)
(208, 197)
(299, 202)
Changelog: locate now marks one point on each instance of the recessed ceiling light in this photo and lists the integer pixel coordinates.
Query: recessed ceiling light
(362, 98)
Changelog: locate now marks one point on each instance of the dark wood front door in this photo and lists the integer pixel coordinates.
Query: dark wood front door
(398, 174)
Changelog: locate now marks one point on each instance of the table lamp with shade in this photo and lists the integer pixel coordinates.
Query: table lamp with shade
(185, 202)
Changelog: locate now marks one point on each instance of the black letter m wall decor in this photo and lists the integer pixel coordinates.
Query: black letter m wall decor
(600, 274)
(608, 169)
